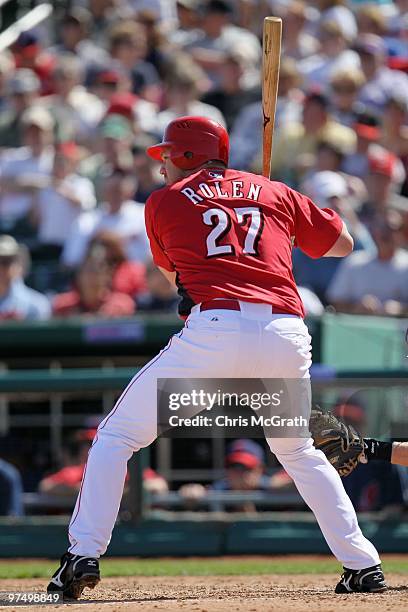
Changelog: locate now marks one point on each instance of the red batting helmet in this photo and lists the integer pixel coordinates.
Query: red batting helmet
(192, 141)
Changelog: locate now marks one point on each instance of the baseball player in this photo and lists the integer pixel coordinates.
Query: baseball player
(225, 238)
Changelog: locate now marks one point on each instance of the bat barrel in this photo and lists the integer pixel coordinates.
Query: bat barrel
(272, 36)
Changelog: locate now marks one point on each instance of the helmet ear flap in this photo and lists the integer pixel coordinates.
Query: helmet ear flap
(188, 154)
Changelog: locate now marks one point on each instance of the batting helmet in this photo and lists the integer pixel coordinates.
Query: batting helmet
(192, 141)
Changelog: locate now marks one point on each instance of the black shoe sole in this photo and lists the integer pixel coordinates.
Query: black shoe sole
(75, 590)
(377, 590)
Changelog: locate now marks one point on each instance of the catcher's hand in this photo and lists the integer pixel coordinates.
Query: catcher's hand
(341, 443)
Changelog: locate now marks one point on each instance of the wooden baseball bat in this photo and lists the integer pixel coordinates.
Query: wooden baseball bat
(272, 36)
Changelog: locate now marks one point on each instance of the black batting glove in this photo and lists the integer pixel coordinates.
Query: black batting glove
(376, 450)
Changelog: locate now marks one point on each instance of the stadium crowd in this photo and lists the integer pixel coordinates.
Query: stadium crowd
(82, 97)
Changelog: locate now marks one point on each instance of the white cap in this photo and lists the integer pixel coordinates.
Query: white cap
(322, 186)
(39, 116)
(8, 246)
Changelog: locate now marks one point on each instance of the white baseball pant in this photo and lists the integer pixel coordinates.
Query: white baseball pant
(251, 343)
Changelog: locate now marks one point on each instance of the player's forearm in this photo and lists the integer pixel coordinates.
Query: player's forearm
(343, 245)
(399, 454)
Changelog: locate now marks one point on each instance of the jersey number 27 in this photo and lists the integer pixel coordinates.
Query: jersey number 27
(221, 223)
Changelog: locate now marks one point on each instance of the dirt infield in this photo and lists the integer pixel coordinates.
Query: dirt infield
(222, 594)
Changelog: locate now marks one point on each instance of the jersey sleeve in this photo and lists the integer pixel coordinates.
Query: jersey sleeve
(159, 256)
(316, 229)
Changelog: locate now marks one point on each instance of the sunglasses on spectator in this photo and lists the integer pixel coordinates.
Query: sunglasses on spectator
(344, 88)
(6, 261)
(239, 467)
(112, 85)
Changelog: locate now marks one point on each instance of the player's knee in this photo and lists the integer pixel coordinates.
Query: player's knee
(111, 436)
(291, 447)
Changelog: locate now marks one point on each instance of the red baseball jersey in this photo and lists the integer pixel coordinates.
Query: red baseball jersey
(229, 234)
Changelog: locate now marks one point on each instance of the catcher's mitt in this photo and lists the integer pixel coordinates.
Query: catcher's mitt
(341, 443)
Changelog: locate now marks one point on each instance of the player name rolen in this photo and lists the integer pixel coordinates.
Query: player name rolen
(214, 190)
(223, 420)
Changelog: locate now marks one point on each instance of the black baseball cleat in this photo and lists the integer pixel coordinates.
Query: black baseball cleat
(73, 575)
(369, 580)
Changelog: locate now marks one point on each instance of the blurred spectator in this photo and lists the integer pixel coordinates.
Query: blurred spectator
(26, 169)
(128, 46)
(74, 29)
(297, 42)
(352, 411)
(395, 130)
(92, 292)
(58, 205)
(330, 158)
(188, 20)
(157, 46)
(345, 86)
(295, 144)
(329, 189)
(11, 490)
(164, 10)
(217, 36)
(333, 55)
(397, 22)
(28, 53)
(66, 481)
(336, 11)
(371, 20)
(311, 303)
(374, 284)
(127, 276)
(368, 134)
(377, 486)
(105, 14)
(7, 69)
(244, 471)
(147, 171)
(232, 96)
(107, 81)
(160, 295)
(17, 301)
(246, 134)
(383, 181)
(182, 90)
(141, 114)
(22, 89)
(116, 137)
(380, 80)
(75, 110)
(117, 213)
(374, 486)
(153, 483)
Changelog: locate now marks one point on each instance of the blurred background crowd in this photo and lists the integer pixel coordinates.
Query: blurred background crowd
(86, 91)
